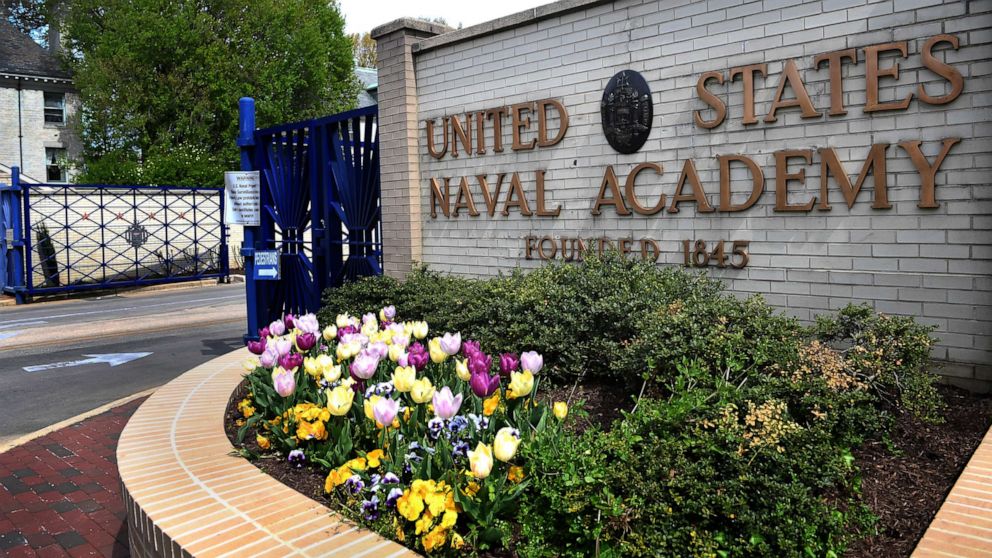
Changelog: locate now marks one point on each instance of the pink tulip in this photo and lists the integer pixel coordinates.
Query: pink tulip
(365, 365)
(445, 404)
(532, 361)
(385, 410)
(307, 323)
(451, 344)
(277, 328)
(284, 382)
(270, 357)
(283, 346)
(379, 349)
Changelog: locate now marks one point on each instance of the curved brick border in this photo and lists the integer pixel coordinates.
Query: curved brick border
(186, 495)
(963, 525)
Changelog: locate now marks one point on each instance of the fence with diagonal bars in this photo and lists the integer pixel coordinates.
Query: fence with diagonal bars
(66, 237)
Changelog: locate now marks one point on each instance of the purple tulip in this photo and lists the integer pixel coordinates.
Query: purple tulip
(418, 356)
(446, 405)
(306, 341)
(257, 347)
(284, 381)
(365, 365)
(470, 348)
(480, 363)
(307, 323)
(385, 410)
(450, 344)
(270, 357)
(263, 333)
(291, 361)
(532, 361)
(289, 321)
(484, 385)
(277, 328)
(346, 330)
(508, 362)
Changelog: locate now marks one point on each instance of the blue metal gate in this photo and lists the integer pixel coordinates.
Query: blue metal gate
(72, 237)
(320, 208)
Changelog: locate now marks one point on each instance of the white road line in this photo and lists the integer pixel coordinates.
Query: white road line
(28, 323)
(14, 323)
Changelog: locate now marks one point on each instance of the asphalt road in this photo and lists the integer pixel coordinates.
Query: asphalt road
(47, 369)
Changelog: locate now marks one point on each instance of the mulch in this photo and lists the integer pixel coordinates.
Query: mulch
(60, 494)
(904, 479)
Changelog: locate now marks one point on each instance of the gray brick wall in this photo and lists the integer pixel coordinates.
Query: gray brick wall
(930, 263)
(37, 134)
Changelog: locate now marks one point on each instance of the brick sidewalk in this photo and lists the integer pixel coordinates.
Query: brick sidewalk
(60, 494)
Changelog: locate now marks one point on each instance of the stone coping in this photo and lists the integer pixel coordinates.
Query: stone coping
(963, 524)
(186, 495)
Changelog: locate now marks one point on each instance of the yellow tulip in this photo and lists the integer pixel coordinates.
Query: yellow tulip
(422, 390)
(560, 410)
(521, 384)
(505, 444)
(250, 364)
(311, 367)
(461, 368)
(343, 320)
(437, 355)
(404, 378)
(420, 329)
(339, 400)
(332, 373)
(370, 405)
(395, 351)
(330, 333)
(369, 328)
(324, 361)
(481, 461)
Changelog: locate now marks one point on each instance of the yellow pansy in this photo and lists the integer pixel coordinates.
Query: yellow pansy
(515, 474)
(336, 478)
(262, 441)
(357, 464)
(374, 458)
(521, 384)
(410, 505)
(422, 390)
(457, 542)
(489, 405)
(435, 539)
(404, 378)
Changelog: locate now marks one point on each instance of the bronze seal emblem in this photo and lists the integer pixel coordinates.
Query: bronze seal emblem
(627, 111)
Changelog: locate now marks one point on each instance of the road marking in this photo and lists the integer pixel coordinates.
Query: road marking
(7, 335)
(26, 323)
(113, 359)
(124, 309)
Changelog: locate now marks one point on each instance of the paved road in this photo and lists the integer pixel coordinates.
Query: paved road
(179, 329)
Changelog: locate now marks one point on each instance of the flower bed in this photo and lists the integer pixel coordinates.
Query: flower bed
(743, 436)
(422, 440)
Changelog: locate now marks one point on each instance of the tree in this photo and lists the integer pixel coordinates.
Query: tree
(363, 50)
(160, 80)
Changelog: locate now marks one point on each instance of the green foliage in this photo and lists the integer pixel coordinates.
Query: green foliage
(716, 470)
(160, 80)
(890, 353)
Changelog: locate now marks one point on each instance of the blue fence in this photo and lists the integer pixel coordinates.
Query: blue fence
(320, 208)
(72, 237)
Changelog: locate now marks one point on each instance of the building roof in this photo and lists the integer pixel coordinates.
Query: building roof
(369, 77)
(20, 55)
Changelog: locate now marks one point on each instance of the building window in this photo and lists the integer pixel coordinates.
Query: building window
(55, 164)
(55, 108)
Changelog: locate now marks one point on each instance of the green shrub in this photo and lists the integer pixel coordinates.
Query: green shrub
(713, 471)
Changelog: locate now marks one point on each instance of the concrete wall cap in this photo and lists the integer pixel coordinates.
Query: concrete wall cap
(409, 23)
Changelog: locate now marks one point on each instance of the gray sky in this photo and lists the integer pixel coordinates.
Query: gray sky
(362, 15)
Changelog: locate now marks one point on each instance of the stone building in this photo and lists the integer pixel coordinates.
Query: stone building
(816, 153)
(37, 106)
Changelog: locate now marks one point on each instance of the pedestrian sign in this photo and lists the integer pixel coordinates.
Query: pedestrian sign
(266, 265)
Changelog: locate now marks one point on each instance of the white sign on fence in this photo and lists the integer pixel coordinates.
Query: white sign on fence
(241, 198)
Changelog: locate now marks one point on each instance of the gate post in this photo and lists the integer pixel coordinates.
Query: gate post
(14, 208)
(246, 141)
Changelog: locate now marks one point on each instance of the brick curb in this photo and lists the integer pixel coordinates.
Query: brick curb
(963, 524)
(186, 495)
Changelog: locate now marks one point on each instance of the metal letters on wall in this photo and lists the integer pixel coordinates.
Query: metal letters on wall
(627, 111)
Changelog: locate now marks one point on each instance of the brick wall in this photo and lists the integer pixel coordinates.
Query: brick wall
(930, 263)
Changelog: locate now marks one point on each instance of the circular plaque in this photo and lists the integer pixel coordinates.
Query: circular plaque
(627, 111)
